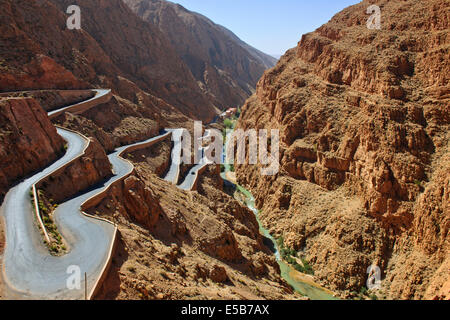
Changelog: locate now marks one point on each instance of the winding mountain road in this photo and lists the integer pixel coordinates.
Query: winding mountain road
(191, 178)
(173, 175)
(101, 96)
(30, 271)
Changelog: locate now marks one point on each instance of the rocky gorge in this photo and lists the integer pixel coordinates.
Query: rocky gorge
(151, 90)
(363, 119)
(364, 122)
(226, 67)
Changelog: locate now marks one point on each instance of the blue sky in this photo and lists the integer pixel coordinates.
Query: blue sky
(272, 26)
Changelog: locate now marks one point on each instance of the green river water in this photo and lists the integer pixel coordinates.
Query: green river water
(314, 293)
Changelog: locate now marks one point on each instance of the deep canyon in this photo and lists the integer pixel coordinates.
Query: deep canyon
(364, 121)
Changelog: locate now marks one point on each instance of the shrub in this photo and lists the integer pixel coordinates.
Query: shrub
(363, 291)
(293, 253)
(228, 123)
(307, 267)
(280, 242)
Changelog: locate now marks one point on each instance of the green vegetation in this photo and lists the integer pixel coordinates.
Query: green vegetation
(373, 297)
(229, 124)
(231, 121)
(280, 241)
(365, 294)
(231, 168)
(363, 291)
(46, 209)
(290, 256)
(420, 184)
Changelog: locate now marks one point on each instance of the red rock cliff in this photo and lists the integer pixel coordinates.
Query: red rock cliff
(364, 122)
(28, 140)
(227, 68)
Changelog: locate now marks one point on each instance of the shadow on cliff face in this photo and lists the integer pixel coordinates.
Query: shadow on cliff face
(111, 286)
(171, 229)
(269, 244)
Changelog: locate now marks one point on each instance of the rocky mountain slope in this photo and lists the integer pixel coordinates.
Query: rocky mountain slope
(107, 52)
(28, 140)
(178, 245)
(162, 239)
(364, 123)
(226, 68)
(153, 86)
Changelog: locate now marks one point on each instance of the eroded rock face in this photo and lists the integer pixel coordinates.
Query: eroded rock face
(140, 202)
(108, 52)
(40, 72)
(221, 244)
(202, 246)
(52, 100)
(28, 140)
(227, 68)
(91, 168)
(420, 265)
(218, 274)
(131, 199)
(363, 118)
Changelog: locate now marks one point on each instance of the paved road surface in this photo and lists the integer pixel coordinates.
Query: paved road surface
(173, 174)
(99, 93)
(30, 272)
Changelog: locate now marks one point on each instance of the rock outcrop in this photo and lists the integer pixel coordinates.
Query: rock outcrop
(132, 200)
(28, 140)
(364, 123)
(153, 86)
(115, 49)
(90, 169)
(226, 67)
(54, 99)
(185, 245)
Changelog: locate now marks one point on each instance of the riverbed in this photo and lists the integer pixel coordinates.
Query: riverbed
(306, 288)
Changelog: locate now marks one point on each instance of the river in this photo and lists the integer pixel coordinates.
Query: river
(287, 272)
